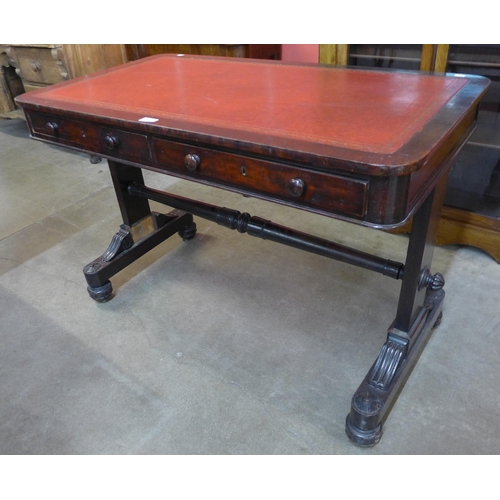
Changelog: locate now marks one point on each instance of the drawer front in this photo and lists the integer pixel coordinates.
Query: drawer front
(109, 142)
(38, 65)
(325, 192)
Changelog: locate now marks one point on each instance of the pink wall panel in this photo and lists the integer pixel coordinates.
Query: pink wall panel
(300, 53)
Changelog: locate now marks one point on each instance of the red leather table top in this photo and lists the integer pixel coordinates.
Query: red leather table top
(313, 108)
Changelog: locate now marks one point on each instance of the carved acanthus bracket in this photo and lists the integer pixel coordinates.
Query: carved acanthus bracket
(388, 361)
(121, 241)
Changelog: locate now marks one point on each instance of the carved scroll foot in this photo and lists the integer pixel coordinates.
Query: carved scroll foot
(122, 251)
(373, 399)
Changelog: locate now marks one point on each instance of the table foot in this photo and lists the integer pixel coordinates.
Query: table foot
(189, 232)
(385, 380)
(101, 293)
(360, 437)
(124, 249)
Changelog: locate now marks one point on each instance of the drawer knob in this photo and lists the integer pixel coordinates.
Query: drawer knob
(110, 142)
(192, 161)
(52, 128)
(296, 187)
(35, 66)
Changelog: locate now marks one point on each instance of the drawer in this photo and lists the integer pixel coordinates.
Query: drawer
(326, 192)
(92, 138)
(39, 65)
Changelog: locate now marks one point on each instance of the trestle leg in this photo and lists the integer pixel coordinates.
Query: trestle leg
(122, 251)
(387, 376)
(419, 311)
(140, 232)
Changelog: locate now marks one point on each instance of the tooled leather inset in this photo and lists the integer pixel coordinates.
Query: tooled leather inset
(342, 108)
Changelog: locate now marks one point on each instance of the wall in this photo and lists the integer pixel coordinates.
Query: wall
(300, 53)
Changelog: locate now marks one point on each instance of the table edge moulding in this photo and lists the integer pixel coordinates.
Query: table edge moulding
(370, 148)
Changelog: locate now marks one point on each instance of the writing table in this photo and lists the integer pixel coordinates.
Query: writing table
(368, 147)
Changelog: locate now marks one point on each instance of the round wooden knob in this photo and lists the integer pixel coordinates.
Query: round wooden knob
(110, 142)
(296, 187)
(192, 161)
(35, 66)
(52, 128)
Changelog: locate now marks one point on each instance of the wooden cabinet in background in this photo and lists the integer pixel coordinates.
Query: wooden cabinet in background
(10, 83)
(264, 51)
(28, 67)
